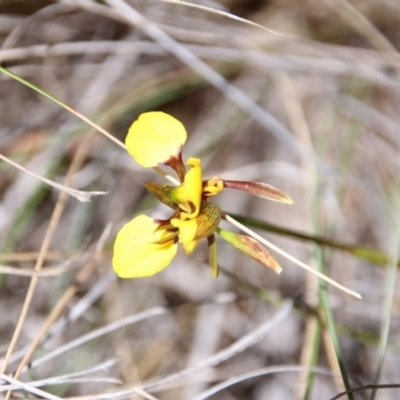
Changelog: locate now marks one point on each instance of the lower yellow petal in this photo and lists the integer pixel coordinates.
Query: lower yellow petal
(187, 233)
(135, 253)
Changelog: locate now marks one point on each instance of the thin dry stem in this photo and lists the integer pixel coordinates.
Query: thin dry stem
(240, 345)
(46, 13)
(77, 194)
(28, 388)
(227, 15)
(33, 255)
(289, 257)
(231, 92)
(259, 372)
(46, 273)
(62, 379)
(363, 25)
(61, 202)
(131, 319)
(300, 127)
(145, 394)
(84, 274)
(55, 218)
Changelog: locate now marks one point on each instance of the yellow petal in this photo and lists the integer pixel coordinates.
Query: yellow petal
(188, 195)
(154, 138)
(187, 233)
(213, 186)
(135, 253)
(204, 225)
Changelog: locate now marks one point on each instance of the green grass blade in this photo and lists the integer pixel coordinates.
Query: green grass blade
(330, 324)
(365, 253)
(389, 293)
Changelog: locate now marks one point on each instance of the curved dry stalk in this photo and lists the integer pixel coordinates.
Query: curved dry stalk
(337, 63)
(63, 105)
(26, 352)
(46, 273)
(33, 255)
(145, 394)
(130, 15)
(132, 319)
(83, 304)
(55, 218)
(240, 345)
(357, 20)
(47, 12)
(28, 388)
(84, 274)
(115, 395)
(259, 372)
(289, 257)
(77, 194)
(365, 388)
(310, 341)
(227, 15)
(68, 378)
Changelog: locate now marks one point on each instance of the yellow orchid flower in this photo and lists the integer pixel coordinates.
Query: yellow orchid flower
(144, 246)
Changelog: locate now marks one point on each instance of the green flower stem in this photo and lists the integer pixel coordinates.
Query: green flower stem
(365, 253)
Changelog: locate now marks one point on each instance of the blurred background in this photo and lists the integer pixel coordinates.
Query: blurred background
(303, 95)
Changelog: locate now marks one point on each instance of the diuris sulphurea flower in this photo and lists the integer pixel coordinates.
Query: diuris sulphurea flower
(145, 246)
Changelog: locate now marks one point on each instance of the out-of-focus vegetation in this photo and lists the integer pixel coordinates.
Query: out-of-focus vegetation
(305, 97)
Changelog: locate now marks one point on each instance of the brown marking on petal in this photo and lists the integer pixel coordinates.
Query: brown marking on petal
(162, 192)
(261, 254)
(192, 206)
(164, 227)
(252, 248)
(162, 223)
(208, 220)
(176, 163)
(168, 238)
(260, 189)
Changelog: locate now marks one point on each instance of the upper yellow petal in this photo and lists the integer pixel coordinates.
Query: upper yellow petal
(135, 253)
(154, 138)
